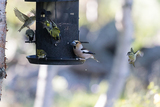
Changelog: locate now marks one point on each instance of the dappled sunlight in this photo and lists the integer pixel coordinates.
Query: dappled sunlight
(156, 98)
(92, 10)
(118, 18)
(146, 22)
(41, 86)
(101, 101)
(95, 88)
(59, 84)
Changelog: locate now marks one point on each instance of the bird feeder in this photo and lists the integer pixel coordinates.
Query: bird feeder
(65, 13)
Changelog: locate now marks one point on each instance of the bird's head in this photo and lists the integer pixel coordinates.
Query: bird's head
(129, 53)
(75, 43)
(46, 23)
(30, 32)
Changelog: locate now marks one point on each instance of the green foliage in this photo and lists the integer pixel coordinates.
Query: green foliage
(151, 98)
(79, 98)
(146, 21)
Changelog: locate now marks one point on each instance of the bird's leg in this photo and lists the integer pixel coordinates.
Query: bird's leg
(45, 58)
(28, 27)
(57, 41)
(131, 62)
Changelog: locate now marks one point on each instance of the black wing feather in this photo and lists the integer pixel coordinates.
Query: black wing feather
(87, 52)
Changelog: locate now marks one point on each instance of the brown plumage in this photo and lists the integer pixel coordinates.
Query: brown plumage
(82, 52)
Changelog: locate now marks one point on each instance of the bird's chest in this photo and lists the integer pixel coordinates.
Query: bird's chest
(80, 54)
(77, 52)
(54, 33)
(132, 58)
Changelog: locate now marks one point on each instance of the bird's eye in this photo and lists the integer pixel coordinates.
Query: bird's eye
(76, 42)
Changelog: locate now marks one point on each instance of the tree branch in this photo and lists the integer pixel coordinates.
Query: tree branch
(3, 30)
(120, 68)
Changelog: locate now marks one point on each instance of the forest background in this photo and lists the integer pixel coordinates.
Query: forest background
(86, 85)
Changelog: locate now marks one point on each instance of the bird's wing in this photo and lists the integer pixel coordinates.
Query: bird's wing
(132, 50)
(33, 11)
(22, 17)
(53, 24)
(139, 53)
(57, 29)
(84, 50)
(133, 64)
(38, 51)
(43, 52)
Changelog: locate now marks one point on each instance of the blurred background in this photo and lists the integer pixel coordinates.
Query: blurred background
(28, 85)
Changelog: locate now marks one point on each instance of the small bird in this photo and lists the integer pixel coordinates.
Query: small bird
(41, 54)
(24, 18)
(82, 52)
(133, 55)
(52, 29)
(30, 34)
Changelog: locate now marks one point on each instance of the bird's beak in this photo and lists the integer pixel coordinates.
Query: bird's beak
(73, 43)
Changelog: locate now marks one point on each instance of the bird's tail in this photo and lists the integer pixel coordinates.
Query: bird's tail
(21, 28)
(94, 58)
(53, 23)
(132, 63)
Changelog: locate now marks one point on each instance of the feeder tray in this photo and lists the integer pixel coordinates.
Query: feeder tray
(54, 61)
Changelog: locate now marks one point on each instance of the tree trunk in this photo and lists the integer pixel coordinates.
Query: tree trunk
(44, 92)
(120, 69)
(3, 30)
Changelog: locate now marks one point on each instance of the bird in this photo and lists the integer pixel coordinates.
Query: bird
(133, 55)
(41, 54)
(52, 29)
(82, 52)
(30, 34)
(24, 18)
